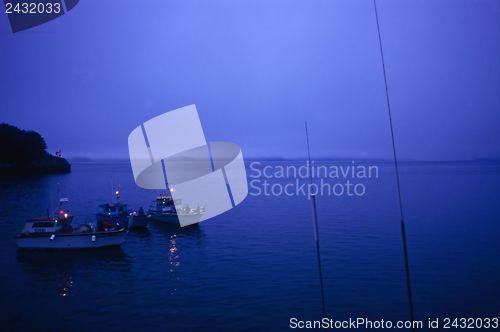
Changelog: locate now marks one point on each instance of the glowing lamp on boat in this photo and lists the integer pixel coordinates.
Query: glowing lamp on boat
(61, 212)
(65, 215)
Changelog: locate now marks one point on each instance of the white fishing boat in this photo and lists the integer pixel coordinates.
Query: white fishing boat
(163, 209)
(56, 232)
(73, 240)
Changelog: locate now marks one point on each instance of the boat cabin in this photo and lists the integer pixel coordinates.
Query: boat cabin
(111, 209)
(46, 225)
(164, 203)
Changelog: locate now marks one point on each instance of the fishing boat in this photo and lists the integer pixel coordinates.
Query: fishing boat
(56, 232)
(113, 215)
(43, 236)
(163, 209)
(138, 219)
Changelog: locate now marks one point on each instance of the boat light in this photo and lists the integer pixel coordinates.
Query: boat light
(65, 215)
(61, 211)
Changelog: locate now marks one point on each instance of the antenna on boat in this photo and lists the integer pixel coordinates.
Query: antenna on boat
(315, 224)
(112, 187)
(58, 192)
(117, 193)
(398, 182)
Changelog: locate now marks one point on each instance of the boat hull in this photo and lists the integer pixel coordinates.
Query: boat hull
(137, 222)
(89, 240)
(173, 219)
(119, 221)
(165, 218)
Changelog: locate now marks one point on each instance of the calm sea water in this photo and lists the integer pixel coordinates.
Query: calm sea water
(254, 267)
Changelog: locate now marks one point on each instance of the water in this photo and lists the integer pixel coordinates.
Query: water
(254, 267)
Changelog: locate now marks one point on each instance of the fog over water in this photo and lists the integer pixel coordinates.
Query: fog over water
(257, 70)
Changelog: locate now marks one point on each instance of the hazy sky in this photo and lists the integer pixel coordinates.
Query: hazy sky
(257, 69)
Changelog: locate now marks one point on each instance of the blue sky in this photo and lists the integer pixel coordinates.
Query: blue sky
(257, 69)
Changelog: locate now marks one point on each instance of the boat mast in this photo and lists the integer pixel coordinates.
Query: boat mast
(114, 193)
(398, 182)
(316, 229)
(58, 194)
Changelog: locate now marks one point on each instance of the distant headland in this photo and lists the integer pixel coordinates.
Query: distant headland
(24, 152)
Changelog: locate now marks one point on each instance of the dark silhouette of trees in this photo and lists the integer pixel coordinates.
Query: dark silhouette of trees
(20, 146)
(26, 150)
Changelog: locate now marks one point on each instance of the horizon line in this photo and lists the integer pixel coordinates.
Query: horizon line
(332, 158)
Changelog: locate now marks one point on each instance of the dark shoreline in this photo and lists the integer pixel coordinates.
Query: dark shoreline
(46, 165)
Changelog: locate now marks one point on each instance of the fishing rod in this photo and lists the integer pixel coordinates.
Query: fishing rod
(316, 229)
(398, 182)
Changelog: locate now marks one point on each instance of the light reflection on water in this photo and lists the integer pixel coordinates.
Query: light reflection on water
(66, 285)
(61, 273)
(174, 260)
